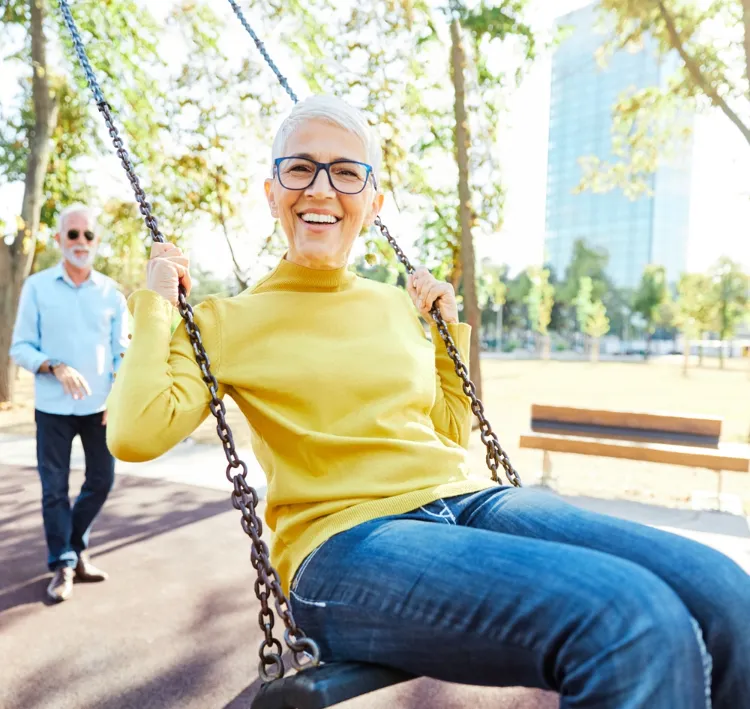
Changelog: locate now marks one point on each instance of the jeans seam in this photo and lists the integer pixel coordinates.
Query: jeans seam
(307, 601)
(448, 510)
(301, 570)
(440, 516)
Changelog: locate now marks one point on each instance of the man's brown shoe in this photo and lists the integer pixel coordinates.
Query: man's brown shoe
(86, 571)
(61, 586)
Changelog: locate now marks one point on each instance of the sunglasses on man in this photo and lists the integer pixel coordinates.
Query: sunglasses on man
(73, 234)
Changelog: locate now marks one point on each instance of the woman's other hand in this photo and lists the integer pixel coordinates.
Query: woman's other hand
(426, 290)
(166, 270)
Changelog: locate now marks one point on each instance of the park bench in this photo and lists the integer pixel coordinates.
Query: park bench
(674, 439)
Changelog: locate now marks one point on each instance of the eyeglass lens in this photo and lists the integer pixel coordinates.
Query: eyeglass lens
(346, 177)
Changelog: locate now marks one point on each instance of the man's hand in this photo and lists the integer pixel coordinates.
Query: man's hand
(73, 382)
(104, 417)
(426, 290)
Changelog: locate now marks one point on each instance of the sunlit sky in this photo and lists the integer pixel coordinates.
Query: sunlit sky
(720, 203)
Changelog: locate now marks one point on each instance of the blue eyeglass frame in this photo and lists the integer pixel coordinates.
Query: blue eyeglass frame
(324, 166)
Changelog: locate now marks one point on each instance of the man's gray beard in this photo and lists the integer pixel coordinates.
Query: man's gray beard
(79, 260)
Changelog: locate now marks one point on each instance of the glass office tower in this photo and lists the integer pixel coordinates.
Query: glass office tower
(650, 229)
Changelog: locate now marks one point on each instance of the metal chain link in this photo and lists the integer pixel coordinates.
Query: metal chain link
(244, 497)
(262, 49)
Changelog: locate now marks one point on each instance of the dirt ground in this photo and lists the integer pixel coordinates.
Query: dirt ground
(511, 386)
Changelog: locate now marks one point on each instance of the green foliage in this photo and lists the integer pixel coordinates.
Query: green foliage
(651, 296)
(491, 285)
(597, 324)
(696, 304)
(583, 302)
(126, 69)
(540, 299)
(731, 294)
(206, 284)
(591, 314)
(648, 124)
(125, 246)
(375, 271)
(586, 262)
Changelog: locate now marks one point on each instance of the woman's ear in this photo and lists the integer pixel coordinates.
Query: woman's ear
(268, 187)
(377, 204)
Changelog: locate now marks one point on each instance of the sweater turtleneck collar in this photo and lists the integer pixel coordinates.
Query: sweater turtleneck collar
(291, 276)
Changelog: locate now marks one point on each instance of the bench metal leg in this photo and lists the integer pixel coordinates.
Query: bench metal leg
(719, 501)
(546, 479)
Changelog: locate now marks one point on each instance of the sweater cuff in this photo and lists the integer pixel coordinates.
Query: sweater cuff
(152, 315)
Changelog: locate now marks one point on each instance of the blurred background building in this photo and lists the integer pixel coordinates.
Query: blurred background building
(649, 229)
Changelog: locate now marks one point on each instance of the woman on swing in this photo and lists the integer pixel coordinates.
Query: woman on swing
(390, 550)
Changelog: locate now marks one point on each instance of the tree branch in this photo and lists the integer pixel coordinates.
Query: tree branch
(695, 72)
(223, 222)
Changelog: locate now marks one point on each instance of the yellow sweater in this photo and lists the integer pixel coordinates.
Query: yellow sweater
(355, 414)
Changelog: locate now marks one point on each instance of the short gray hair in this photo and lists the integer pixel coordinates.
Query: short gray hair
(77, 208)
(332, 109)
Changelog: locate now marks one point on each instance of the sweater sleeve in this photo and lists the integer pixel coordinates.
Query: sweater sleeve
(451, 413)
(159, 396)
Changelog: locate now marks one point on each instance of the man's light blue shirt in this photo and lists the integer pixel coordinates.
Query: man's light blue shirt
(85, 327)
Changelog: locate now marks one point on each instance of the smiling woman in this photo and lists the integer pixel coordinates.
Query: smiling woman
(388, 547)
(323, 190)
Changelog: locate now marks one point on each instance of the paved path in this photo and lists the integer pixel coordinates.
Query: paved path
(187, 463)
(176, 624)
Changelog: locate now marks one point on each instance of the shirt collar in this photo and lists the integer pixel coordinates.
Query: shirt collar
(95, 278)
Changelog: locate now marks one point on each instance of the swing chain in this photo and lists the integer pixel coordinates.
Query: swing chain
(105, 110)
(262, 49)
(244, 498)
(495, 456)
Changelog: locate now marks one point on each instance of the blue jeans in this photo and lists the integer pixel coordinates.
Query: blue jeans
(67, 530)
(515, 587)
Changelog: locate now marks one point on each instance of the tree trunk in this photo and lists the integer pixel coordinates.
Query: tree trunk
(686, 348)
(594, 349)
(721, 353)
(546, 347)
(456, 271)
(16, 257)
(462, 140)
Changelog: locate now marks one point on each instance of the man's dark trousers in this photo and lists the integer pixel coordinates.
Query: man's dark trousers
(67, 530)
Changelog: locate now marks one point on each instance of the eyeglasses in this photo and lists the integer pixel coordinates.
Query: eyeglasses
(345, 176)
(73, 234)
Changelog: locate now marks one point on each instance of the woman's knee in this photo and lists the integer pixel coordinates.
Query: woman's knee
(641, 624)
(722, 605)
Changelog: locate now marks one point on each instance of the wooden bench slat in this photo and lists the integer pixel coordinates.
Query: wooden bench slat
(729, 458)
(696, 425)
(587, 430)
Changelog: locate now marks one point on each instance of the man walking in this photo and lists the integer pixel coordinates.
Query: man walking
(71, 331)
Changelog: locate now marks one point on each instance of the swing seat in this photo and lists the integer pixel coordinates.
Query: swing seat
(325, 685)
